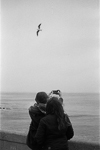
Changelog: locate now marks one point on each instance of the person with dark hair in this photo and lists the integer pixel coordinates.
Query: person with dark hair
(36, 112)
(55, 129)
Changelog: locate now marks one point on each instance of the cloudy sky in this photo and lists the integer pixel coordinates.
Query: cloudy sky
(64, 56)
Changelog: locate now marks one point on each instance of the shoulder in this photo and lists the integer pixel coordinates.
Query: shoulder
(34, 110)
(66, 117)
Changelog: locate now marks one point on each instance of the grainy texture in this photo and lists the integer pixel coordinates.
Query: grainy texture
(13, 141)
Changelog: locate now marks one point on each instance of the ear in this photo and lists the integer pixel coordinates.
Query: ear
(36, 101)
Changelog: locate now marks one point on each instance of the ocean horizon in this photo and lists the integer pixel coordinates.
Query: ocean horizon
(82, 109)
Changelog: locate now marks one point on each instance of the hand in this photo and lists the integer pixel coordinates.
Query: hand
(59, 93)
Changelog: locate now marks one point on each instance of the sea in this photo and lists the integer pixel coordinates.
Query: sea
(82, 109)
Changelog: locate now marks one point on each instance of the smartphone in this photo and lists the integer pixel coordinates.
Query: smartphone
(56, 91)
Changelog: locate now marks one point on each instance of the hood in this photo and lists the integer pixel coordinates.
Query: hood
(37, 110)
(42, 107)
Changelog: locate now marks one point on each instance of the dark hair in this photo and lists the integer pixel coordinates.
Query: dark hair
(55, 107)
(41, 97)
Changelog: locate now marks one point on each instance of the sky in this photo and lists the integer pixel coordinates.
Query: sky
(65, 54)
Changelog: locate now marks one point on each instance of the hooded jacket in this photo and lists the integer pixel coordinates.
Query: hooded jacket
(36, 112)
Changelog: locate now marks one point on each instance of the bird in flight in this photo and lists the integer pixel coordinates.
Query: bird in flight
(38, 29)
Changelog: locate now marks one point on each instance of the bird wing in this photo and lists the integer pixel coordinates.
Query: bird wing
(37, 32)
(39, 25)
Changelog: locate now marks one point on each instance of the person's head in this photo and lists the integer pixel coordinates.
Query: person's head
(41, 97)
(54, 107)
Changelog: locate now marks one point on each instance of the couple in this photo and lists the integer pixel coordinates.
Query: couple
(50, 128)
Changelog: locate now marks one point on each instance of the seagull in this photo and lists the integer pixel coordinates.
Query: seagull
(38, 29)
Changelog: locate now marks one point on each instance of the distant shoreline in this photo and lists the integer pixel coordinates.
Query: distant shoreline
(48, 92)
